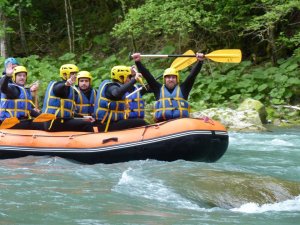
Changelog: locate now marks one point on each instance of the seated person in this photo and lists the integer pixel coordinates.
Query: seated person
(60, 101)
(171, 96)
(85, 95)
(110, 102)
(16, 100)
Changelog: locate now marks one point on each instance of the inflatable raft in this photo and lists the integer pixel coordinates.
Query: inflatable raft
(187, 139)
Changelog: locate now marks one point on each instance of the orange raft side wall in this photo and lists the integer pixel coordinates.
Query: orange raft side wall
(34, 138)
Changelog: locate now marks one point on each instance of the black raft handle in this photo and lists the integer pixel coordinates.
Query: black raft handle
(104, 141)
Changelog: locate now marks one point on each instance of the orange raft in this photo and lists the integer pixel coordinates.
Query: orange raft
(189, 139)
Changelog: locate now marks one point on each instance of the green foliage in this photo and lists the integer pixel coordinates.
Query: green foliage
(271, 85)
(105, 32)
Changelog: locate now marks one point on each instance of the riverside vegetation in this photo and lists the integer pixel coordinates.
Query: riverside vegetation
(97, 35)
(218, 84)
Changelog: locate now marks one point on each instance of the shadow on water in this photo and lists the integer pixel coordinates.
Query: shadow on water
(228, 189)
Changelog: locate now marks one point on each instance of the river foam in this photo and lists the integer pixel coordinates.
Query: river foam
(284, 206)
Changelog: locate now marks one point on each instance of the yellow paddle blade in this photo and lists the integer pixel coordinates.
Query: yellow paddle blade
(9, 122)
(142, 82)
(181, 63)
(44, 117)
(225, 56)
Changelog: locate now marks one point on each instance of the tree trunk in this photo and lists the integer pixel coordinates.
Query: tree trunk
(22, 33)
(271, 31)
(2, 37)
(70, 25)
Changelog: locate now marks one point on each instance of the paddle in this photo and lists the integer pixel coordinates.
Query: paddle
(44, 117)
(139, 79)
(9, 122)
(140, 88)
(181, 63)
(224, 56)
(12, 121)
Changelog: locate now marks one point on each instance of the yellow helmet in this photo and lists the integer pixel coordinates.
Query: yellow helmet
(18, 69)
(84, 74)
(67, 69)
(118, 71)
(172, 71)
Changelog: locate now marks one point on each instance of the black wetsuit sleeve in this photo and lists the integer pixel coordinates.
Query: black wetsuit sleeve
(187, 85)
(34, 113)
(153, 84)
(144, 91)
(61, 90)
(116, 92)
(11, 91)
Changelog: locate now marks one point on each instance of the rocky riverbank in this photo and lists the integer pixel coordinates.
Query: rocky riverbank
(252, 115)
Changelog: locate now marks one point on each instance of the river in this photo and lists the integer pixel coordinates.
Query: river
(257, 181)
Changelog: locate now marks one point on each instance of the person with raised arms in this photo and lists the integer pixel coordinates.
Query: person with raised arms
(110, 102)
(171, 96)
(60, 101)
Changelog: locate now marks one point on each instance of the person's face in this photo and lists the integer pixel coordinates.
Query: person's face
(21, 78)
(170, 81)
(83, 83)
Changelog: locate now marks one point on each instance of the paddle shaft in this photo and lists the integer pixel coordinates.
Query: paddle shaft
(188, 56)
(223, 56)
(140, 88)
(166, 56)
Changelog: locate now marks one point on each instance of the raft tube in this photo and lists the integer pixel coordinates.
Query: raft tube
(181, 139)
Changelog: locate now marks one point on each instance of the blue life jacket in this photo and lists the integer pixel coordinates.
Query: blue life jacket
(107, 110)
(62, 108)
(171, 105)
(135, 105)
(85, 106)
(19, 107)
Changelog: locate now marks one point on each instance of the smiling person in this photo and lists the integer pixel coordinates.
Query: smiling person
(85, 95)
(16, 100)
(171, 96)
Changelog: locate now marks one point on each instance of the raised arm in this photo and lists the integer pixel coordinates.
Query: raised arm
(187, 84)
(153, 84)
(11, 91)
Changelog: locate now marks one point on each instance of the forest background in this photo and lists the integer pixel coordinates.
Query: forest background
(99, 34)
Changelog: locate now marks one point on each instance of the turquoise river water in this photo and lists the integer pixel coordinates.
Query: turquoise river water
(257, 181)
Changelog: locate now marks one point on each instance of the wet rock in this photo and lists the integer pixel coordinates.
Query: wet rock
(251, 104)
(237, 120)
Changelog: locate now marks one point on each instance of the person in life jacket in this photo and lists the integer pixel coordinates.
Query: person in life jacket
(60, 101)
(135, 105)
(85, 95)
(16, 100)
(171, 96)
(110, 102)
